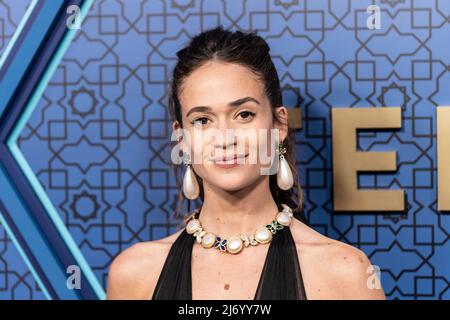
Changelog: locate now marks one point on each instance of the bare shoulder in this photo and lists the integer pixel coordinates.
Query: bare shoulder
(133, 274)
(333, 269)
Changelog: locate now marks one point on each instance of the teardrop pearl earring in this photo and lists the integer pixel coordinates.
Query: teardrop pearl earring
(191, 189)
(285, 179)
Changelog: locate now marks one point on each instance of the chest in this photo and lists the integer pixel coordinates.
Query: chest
(222, 276)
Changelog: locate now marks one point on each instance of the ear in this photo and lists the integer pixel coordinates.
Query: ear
(176, 126)
(282, 123)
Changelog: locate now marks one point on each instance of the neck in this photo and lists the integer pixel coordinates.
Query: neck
(239, 212)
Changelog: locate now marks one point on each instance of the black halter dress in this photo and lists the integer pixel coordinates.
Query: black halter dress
(281, 277)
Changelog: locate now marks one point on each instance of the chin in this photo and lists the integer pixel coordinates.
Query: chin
(235, 188)
(232, 181)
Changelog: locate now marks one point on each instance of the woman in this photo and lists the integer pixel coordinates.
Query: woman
(248, 239)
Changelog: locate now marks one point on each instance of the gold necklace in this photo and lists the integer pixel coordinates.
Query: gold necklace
(235, 244)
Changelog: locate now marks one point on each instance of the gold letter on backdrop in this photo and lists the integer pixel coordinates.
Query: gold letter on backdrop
(443, 154)
(347, 161)
(295, 118)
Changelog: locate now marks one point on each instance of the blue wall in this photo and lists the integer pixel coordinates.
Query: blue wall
(98, 138)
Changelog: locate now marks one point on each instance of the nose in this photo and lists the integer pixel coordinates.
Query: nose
(224, 148)
(226, 138)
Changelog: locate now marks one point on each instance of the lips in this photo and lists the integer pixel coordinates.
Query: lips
(228, 159)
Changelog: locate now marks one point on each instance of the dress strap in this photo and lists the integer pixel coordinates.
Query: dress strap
(281, 278)
(175, 282)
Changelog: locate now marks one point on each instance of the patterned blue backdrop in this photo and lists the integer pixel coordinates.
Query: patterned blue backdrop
(98, 138)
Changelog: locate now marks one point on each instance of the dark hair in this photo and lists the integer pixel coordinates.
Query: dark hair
(251, 51)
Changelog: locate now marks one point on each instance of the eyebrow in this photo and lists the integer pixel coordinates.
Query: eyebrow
(234, 103)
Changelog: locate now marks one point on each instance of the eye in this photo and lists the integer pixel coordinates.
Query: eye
(199, 121)
(246, 115)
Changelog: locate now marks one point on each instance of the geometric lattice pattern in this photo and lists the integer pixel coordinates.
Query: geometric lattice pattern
(98, 140)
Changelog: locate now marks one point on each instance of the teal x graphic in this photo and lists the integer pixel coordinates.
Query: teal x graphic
(26, 211)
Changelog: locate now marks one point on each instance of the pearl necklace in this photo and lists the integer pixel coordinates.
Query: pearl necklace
(235, 244)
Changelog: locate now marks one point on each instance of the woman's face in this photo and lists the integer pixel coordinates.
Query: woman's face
(227, 114)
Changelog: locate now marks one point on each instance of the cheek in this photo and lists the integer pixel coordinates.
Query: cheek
(262, 145)
(199, 146)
